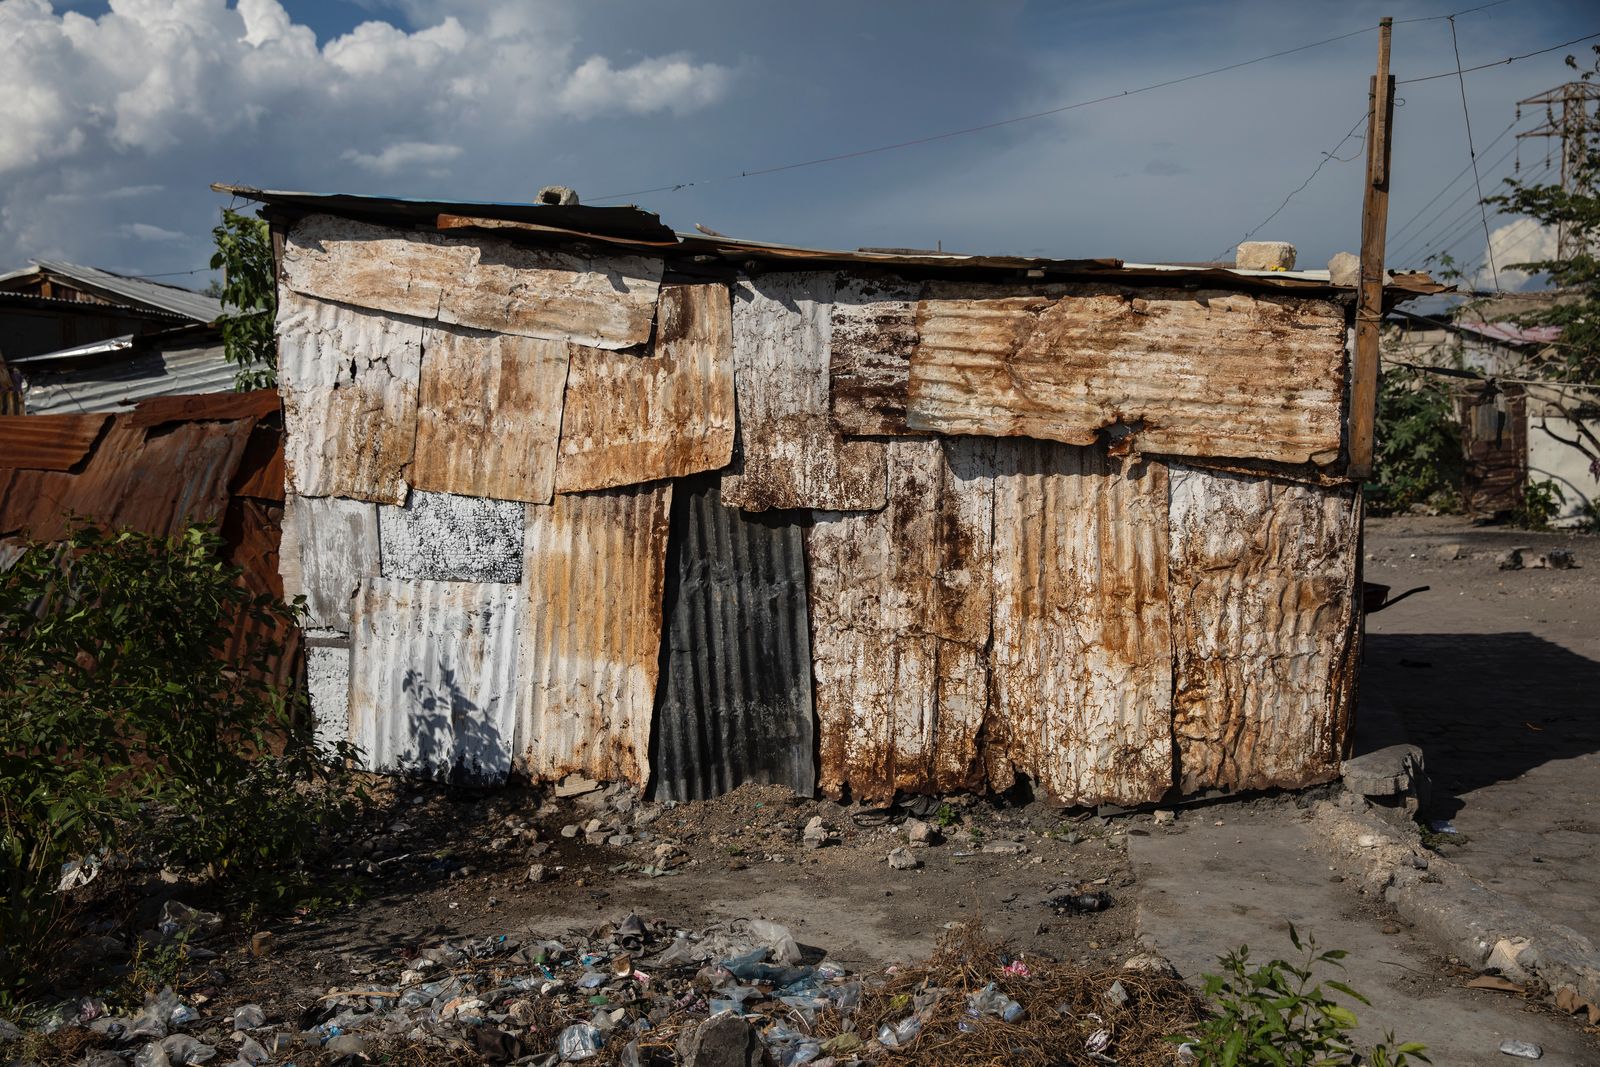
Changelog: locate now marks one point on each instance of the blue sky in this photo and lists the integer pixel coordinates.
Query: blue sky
(120, 114)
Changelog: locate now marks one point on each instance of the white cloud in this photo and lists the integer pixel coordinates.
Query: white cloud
(143, 231)
(1522, 241)
(404, 155)
(169, 95)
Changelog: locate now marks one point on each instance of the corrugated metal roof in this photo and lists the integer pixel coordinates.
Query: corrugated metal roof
(120, 384)
(593, 571)
(1263, 611)
(734, 700)
(433, 670)
(137, 292)
(57, 444)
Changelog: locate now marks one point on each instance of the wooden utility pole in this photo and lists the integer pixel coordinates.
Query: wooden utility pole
(1369, 296)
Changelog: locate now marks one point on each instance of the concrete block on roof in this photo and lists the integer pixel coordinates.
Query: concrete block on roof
(1345, 269)
(1265, 255)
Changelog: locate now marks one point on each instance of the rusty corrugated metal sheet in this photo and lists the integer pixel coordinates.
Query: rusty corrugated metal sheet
(446, 538)
(631, 418)
(591, 640)
(874, 334)
(433, 670)
(1081, 698)
(1207, 373)
(489, 414)
(901, 600)
(604, 301)
(349, 384)
(788, 453)
(1263, 617)
(734, 702)
(206, 407)
(330, 546)
(48, 442)
(1494, 441)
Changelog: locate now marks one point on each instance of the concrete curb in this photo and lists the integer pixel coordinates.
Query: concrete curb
(1482, 927)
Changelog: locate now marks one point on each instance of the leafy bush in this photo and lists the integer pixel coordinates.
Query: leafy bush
(1419, 458)
(1541, 502)
(244, 255)
(1273, 1016)
(125, 730)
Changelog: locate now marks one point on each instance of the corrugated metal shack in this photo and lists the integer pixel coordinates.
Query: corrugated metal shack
(569, 493)
(170, 461)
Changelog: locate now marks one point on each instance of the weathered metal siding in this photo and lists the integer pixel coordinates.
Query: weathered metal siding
(1081, 699)
(433, 674)
(789, 455)
(1209, 373)
(734, 701)
(632, 418)
(901, 601)
(328, 688)
(349, 384)
(481, 282)
(1263, 587)
(489, 414)
(445, 538)
(56, 443)
(330, 545)
(591, 642)
(874, 334)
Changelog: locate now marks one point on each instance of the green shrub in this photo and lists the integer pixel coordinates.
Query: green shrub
(1418, 441)
(1541, 502)
(124, 731)
(1273, 1016)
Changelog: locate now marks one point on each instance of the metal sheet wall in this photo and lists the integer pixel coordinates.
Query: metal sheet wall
(734, 701)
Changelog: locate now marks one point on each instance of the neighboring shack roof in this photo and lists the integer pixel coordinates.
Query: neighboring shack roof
(120, 289)
(119, 372)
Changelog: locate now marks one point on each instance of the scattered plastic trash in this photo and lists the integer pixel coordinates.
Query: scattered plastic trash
(1443, 826)
(580, 1041)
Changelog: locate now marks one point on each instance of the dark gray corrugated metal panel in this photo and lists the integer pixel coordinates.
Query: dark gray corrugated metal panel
(139, 291)
(734, 704)
(119, 384)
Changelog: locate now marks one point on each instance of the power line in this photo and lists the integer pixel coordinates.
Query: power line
(1395, 236)
(1333, 154)
(1498, 62)
(1430, 233)
(1472, 154)
(168, 274)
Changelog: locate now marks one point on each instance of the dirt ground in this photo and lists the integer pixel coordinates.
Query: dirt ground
(1496, 675)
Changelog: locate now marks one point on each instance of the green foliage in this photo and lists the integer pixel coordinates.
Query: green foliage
(244, 255)
(1273, 1015)
(128, 732)
(945, 817)
(1541, 502)
(1418, 441)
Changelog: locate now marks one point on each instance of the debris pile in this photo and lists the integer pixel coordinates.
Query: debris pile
(647, 994)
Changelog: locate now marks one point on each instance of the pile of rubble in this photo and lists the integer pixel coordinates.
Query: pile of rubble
(644, 993)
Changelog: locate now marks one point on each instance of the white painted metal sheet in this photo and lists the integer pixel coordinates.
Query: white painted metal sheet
(328, 688)
(874, 332)
(445, 538)
(433, 674)
(1263, 608)
(637, 417)
(591, 641)
(329, 546)
(600, 300)
(349, 384)
(900, 606)
(1204, 373)
(788, 454)
(489, 414)
(1082, 650)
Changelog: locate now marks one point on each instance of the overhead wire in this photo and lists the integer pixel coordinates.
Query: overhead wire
(1472, 153)
(1428, 235)
(1498, 62)
(1432, 243)
(1397, 234)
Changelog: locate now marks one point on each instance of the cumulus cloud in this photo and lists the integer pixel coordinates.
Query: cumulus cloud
(143, 231)
(161, 97)
(1522, 241)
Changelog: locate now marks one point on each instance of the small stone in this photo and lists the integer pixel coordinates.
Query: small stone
(620, 840)
(921, 834)
(538, 873)
(1005, 848)
(1369, 840)
(1509, 560)
(815, 835)
(570, 830)
(901, 859)
(1390, 929)
(1150, 963)
(1524, 1049)
(1166, 818)
(1264, 255)
(1344, 269)
(1448, 553)
(346, 1045)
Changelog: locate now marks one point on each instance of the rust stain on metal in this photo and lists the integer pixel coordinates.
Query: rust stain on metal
(1263, 617)
(788, 454)
(874, 334)
(489, 414)
(349, 384)
(604, 301)
(433, 669)
(593, 573)
(48, 442)
(900, 606)
(1081, 692)
(330, 546)
(1167, 371)
(631, 418)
